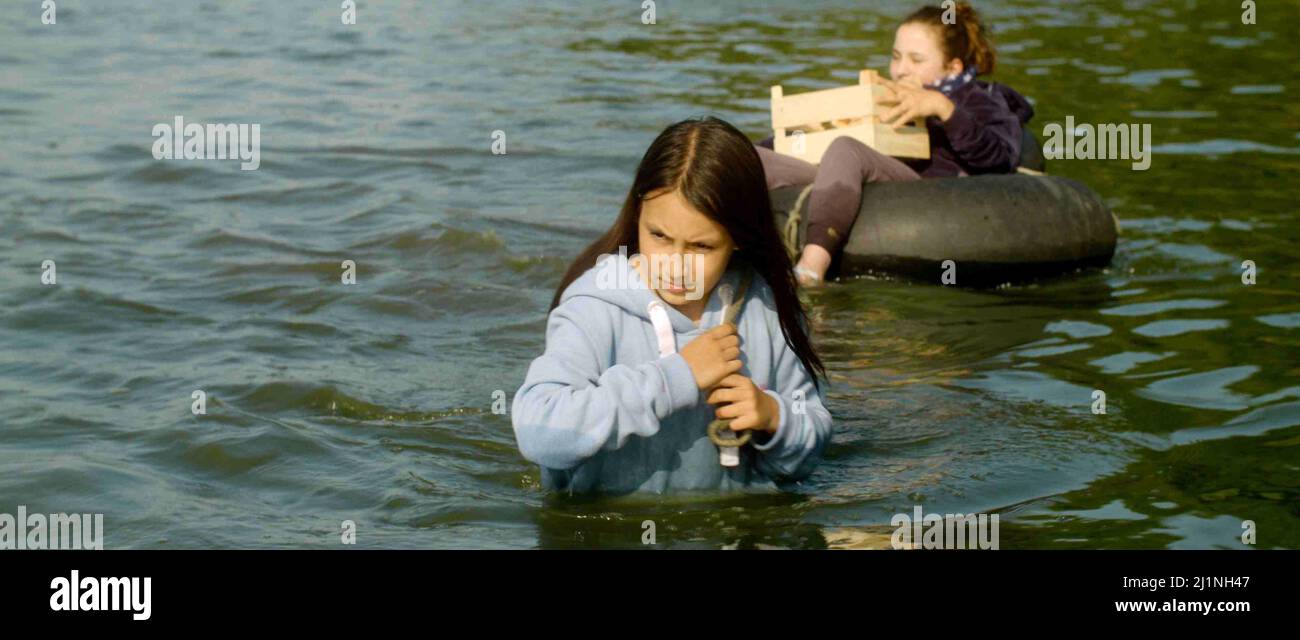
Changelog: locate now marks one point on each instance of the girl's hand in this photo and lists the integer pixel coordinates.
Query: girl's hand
(909, 102)
(745, 404)
(714, 355)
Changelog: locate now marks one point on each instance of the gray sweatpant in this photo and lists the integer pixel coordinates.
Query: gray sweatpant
(837, 184)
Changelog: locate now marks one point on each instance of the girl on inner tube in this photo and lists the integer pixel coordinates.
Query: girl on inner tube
(974, 127)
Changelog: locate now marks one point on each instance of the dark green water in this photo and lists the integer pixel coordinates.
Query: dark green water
(373, 402)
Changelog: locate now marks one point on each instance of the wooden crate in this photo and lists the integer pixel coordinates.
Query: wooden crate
(805, 124)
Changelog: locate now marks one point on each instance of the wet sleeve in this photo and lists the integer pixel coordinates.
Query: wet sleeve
(804, 428)
(570, 406)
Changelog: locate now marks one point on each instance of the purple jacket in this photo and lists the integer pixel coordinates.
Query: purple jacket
(982, 136)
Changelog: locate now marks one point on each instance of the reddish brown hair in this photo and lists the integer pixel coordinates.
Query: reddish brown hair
(966, 39)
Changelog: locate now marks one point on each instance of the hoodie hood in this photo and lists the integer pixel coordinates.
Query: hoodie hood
(1018, 104)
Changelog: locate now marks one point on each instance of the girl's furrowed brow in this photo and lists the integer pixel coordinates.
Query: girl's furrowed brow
(655, 229)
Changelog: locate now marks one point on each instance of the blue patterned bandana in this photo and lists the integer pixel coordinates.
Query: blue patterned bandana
(954, 81)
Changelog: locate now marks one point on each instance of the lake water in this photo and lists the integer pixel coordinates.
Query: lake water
(373, 402)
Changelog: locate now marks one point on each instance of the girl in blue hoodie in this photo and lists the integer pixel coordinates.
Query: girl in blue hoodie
(639, 360)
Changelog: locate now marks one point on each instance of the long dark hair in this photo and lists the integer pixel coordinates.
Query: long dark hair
(717, 171)
(966, 39)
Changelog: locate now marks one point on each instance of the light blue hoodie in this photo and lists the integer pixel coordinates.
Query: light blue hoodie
(605, 410)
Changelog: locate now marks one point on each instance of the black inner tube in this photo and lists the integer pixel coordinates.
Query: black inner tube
(995, 229)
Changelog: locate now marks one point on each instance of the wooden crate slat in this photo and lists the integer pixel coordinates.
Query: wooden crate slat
(804, 113)
(821, 106)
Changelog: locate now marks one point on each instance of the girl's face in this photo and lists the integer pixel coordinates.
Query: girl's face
(918, 56)
(672, 233)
